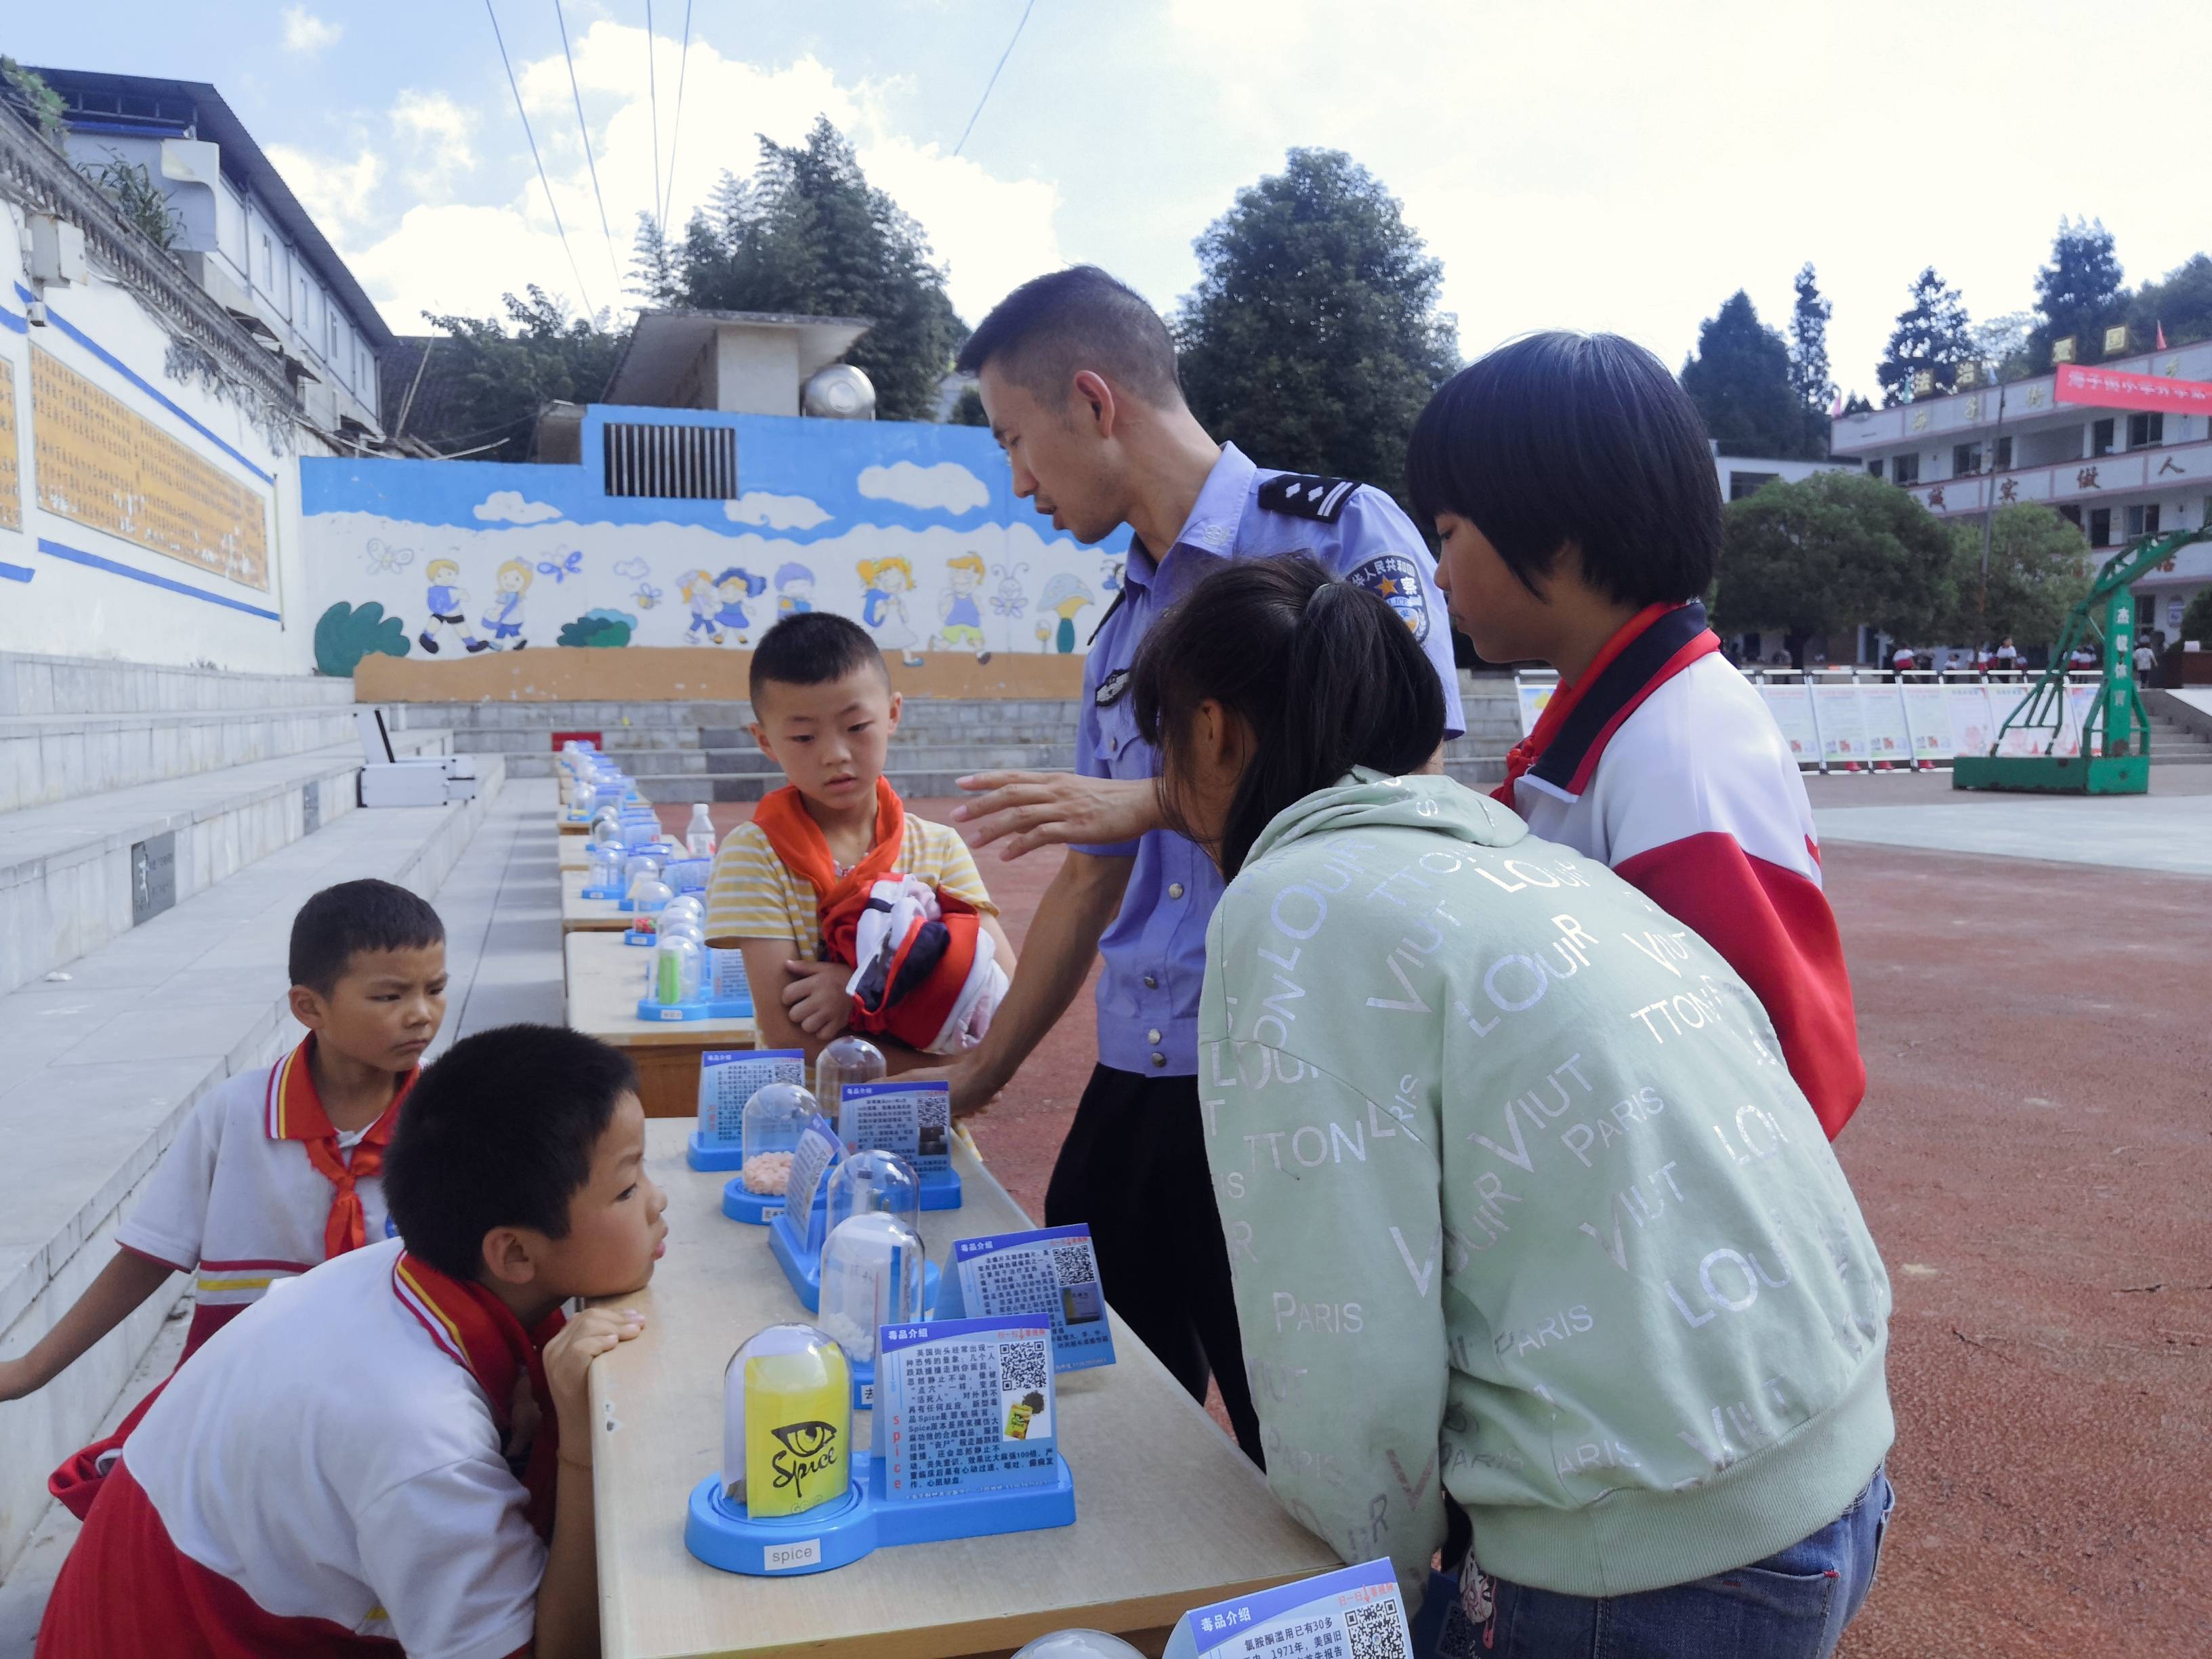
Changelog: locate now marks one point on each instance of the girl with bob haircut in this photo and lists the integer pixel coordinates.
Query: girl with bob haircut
(1534, 1240)
(1571, 486)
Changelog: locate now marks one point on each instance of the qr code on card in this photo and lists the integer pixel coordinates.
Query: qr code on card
(1375, 1632)
(1023, 1366)
(1073, 1264)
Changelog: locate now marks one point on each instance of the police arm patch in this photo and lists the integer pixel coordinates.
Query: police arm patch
(1395, 578)
(1305, 496)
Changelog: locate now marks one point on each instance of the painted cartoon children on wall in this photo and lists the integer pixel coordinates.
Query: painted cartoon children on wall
(960, 619)
(1066, 594)
(503, 618)
(734, 587)
(447, 604)
(697, 589)
(794, 591)
(882, 606)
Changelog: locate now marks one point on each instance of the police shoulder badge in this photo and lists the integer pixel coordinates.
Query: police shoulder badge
(1397, 577)
(1111, 688)
(1305, 496)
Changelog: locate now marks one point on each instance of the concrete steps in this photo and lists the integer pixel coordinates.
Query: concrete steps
(2173, 744)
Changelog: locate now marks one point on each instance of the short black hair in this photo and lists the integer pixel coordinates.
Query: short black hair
(1581, 439)
(1328, 675)
(340, 922)
(1053, 327)
(812, 647)
(498, 1132)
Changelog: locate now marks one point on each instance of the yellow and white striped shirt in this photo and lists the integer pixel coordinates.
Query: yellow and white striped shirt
(753, 893)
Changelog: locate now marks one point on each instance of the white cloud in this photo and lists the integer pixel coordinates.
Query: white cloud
(947, 487)
(441, 132)
(334, 193)
(774, 512)
(507, 506)
(305, 31)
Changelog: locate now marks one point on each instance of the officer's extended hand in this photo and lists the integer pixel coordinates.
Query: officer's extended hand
(1030, 809)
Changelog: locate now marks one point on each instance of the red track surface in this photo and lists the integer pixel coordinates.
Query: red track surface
(2035, 1159)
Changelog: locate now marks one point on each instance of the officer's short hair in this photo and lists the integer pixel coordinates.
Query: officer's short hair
(1582, 439)
(812, 647)
(1055, 326)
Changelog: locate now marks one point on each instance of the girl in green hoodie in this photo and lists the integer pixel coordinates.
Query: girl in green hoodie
(1530, 1228)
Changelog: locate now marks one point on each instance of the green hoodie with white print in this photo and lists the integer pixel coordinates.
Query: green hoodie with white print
(1522, 1205)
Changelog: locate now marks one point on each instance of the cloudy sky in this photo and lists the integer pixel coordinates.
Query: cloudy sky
(1623, 165)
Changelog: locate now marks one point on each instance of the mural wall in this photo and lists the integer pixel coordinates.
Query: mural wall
(911, 530)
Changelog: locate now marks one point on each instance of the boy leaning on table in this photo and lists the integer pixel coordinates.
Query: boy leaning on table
(833, 870)
(276, 1169)
(396, 1447)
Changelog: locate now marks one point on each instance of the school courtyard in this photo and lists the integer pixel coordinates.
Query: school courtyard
(2032, 1157)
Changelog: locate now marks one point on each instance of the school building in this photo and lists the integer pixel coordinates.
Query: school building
(2117, 473)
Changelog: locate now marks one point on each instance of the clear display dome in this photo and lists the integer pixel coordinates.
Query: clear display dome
(1078, 1644)
(871, 1273)
(648, 895)
(787, 1422)
(689, 904)
(679, 967)
(606, 828)
(603, 867)
(641, 864)
(875, 1183)
(848, 1060)
(682, 924)
(768, 1134)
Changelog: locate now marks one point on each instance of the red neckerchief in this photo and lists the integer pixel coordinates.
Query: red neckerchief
(480, 1333)
(295, 1112)
(799, 841)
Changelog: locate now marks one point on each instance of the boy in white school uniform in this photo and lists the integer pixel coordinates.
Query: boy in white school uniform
(396, 1448)
(276, 1169)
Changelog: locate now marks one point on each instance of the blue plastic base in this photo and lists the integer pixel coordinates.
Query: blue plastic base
(754, 1209)
(726, 1008)
(600, 893)
(713, 1155)
(941, 1190)
(720, 1533)
(633, 936)
(803, 1267)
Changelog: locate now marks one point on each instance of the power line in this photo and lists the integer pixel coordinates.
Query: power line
(993, 81)
(652, 90)
(676, 127)
(583, 128)
(574, 270)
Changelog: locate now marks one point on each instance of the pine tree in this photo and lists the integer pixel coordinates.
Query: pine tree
(1741, 379)
(2079, 294)
(1808, 358)
(2180, 302)
(1932, 333)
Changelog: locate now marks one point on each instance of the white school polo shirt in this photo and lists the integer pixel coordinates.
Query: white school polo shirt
(236, 1202)
(328, 1457)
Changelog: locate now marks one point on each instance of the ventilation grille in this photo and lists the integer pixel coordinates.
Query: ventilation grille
(693, 462)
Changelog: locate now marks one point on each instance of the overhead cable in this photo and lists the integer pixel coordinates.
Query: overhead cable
(993, 81)
(590, 310)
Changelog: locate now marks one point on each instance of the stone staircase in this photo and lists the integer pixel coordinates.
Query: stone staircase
(159, 827)
(2174, 743)
(696, 751)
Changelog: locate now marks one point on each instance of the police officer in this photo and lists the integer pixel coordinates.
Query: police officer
(1078, 375)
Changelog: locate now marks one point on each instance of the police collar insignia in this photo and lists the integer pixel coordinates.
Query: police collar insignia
(1306, 496)
(1397, 577)
(1111, 688)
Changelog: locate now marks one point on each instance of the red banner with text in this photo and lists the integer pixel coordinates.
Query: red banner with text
(2112, 388)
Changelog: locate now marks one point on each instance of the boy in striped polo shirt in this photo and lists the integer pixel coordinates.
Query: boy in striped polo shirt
(278, 1169)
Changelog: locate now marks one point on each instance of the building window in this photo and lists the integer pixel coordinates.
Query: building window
(2004, 454)
(1742, 484)
(266, 266)
(1874, 467)
(689, 462)
(1965, 458)
(2100, 526)
(2072, 513)
(1905, 469)
(2143, 520)
(2100, 437)
(2144, 430)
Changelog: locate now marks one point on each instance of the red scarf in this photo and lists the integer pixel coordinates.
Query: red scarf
(799, 841)
(480, 1333)
(295, 1112)
(1527, 753)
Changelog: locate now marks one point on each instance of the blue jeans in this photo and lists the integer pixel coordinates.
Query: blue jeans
(1793, 1605)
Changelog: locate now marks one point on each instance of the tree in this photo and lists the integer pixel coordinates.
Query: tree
(968, 409)
(1313, 337)
(1931, 334)
(2000, 345)
(1740, 380)
(505, 380)
(2180, 302)
(1856, 405)
(2040, 570)
(1830, 552)
(808, 234)
(2197, 620)
(1808, 356)
(2078, 294)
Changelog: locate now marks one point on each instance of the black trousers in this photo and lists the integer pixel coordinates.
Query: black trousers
(1133, 1167)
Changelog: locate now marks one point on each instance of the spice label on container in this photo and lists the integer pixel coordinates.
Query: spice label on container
(1052, 1271)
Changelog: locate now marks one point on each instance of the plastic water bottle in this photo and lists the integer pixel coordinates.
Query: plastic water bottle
(699, 834)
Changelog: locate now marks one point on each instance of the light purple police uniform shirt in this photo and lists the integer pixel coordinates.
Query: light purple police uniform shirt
(1155, 952)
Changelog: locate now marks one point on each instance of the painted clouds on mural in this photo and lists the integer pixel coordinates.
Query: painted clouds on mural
(947, 487)
(772, 512)
(508, 507)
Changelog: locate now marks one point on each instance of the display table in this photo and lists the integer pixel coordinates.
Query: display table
(579, 914)
(605, 978)
(1168, 1513)
(573, 853)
